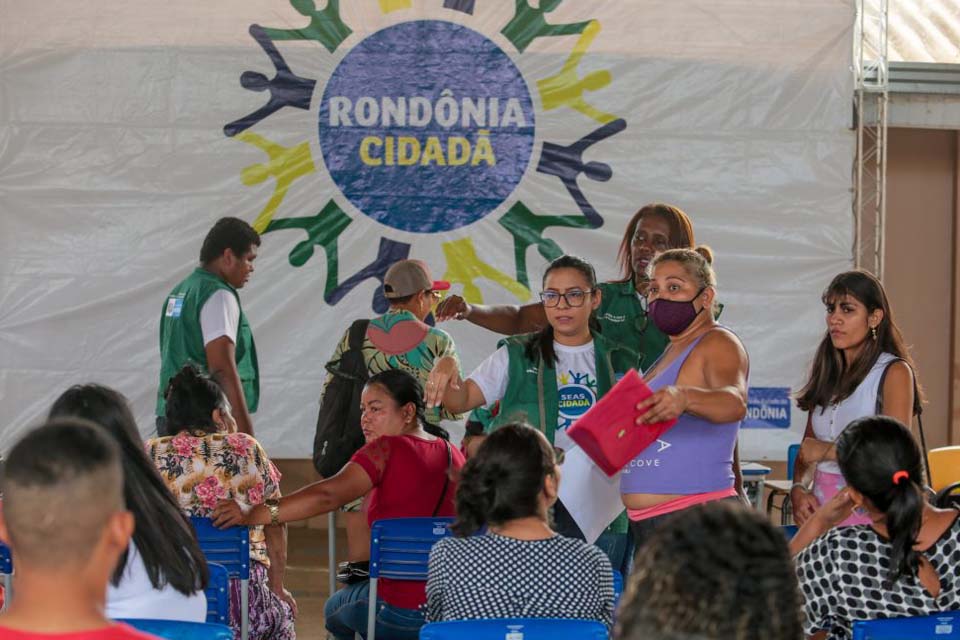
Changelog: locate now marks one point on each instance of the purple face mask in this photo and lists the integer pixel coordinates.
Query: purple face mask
(674, 316)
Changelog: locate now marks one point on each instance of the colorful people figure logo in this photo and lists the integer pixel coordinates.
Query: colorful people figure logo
(425, 126)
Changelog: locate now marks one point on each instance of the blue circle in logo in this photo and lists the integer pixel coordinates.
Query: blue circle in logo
(575, 400)
(426, 126)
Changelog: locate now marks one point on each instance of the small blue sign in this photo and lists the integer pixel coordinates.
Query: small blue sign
(768, 408)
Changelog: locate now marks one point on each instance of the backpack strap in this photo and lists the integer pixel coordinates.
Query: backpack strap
(917, 409)
(917, 406)
(446, 479)
(358, 331)
(351, 364)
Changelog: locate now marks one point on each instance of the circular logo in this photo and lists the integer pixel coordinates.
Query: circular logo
(426, 126)
(575, 400)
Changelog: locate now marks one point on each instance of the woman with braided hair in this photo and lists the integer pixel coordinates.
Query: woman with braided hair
(903, 562)
(716, 571)
(518, 567)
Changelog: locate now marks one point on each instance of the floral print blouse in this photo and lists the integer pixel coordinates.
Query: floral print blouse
(202, 469)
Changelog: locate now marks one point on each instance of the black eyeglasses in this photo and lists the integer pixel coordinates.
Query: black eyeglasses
(573, 298)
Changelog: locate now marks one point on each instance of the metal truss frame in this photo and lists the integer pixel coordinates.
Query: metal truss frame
(871, 99)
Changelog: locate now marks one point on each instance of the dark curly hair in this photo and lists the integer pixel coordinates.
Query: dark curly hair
(718, 571)
(504, 480)
(191, 397)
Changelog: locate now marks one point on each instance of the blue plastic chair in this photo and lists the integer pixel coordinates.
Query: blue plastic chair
(789, 530)
(941, 626)
(178, 630)
(218, 594)
(515, 629)
(6, 569)
(400, 550)
(230, 548)
(781, 487)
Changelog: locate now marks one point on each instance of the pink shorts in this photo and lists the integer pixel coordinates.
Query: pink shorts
(825, 486)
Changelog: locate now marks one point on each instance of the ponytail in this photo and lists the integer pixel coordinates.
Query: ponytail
(903, 517)
(504, 480)
(880, 459)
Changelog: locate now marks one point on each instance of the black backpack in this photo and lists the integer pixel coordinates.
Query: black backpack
(338, 433)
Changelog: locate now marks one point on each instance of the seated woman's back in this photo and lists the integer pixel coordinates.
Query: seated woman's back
(904, 563)
(519, 567)
(843, 576)
(163, 572)
(494, 576)
(203, 468)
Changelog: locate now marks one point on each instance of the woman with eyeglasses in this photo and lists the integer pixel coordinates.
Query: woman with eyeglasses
(622, 313)
(548, 378)
(519, 566)
(701, 380)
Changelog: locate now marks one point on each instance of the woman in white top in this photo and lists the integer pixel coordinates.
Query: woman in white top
(863, 346)
(164, 572)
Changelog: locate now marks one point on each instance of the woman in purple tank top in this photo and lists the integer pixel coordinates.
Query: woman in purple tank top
(701, 379)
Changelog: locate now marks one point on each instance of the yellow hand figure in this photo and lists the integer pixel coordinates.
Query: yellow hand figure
(386, 6)
(567, 87)
(464, 266)
(285, 165)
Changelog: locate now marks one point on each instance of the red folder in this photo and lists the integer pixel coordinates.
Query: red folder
(608, 432)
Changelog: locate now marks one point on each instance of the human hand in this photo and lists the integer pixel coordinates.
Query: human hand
(445, 373)
(666, 404)
(228, 513)
(804, 503)
(453, 307)
(285, 596)
(836, 509)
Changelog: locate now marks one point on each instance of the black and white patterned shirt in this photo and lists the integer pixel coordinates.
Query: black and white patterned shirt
(843, 576)
(493, 576)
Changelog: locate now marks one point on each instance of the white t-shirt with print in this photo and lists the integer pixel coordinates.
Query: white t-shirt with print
(576, 383)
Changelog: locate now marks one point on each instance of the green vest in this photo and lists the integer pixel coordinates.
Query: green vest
(532, 394)
(181, 338)
(624, 320)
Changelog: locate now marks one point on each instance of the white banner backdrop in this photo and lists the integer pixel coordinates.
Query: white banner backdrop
(481, 136)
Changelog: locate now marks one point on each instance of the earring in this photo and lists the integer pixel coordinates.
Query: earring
(873, 332)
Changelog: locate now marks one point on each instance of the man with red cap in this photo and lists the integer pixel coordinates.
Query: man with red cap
(400, 339)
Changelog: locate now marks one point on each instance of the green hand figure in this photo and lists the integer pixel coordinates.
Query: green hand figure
(323, 230)
(529, 23)
(527, 229)
(326, 26)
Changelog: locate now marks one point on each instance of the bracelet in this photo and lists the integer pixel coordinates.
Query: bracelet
(799, 484)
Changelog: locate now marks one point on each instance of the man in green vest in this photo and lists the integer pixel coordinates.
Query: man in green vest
(202, 322)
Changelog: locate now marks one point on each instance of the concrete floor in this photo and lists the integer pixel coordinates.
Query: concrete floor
(306, 578)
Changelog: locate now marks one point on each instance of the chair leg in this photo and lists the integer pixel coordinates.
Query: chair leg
(7, 590)
(244, 609)
(332, 551)
(372, 611)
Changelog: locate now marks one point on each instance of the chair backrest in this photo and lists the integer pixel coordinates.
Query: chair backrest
(792, 452)
(218, 594)
(178, 630)
(400, 547)
(941, 626)
(515, 629)
(6, 560)
(789, 530)
(228, 547)
(944, 466)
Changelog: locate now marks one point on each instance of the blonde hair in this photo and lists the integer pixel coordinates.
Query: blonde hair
(698, 263)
